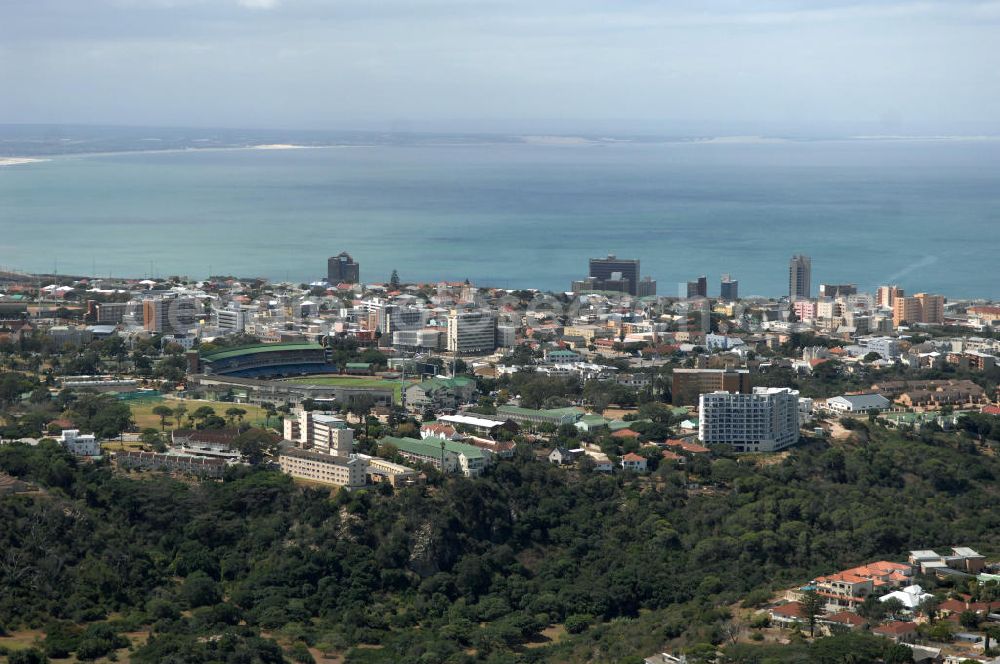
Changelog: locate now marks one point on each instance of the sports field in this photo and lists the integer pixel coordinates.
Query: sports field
(142, 412)
(354, 381)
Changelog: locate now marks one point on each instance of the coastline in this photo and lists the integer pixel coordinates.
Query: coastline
(20, 161)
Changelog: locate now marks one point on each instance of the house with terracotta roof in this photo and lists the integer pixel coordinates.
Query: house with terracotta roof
(900, 632)
(843, 590)
(625, 434)
(673, 457)
(634, 462)
(845, 619)
(687, 446)
(787, 615)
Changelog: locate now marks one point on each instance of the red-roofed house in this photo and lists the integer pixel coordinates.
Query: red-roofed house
(634, 462)
(990, 410)
(843, 590)
(845, 619)
(625, 433)
(897, 631)
(787, 614)
(685, 446)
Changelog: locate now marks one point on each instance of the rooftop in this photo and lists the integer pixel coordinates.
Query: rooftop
(258, 348)
(431, 446)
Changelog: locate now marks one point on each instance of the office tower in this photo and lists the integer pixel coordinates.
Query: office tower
(647, 287)
(729, 289)
(921, 308)
(688, 384)
(799, 277)
(765, 421)
(341, 269)
(175, 315)
(837, 290)
(698, 288)
(613, 273)
(472, 331)
(886, 295)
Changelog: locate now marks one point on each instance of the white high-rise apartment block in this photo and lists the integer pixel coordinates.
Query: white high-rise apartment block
(765, 421)
(472, 331)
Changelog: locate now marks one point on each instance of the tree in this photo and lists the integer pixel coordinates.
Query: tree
(394, 280)
(235, 413)
(255, 445)
(179, 411)
(163, 412)
(812, 608)
(893, 607)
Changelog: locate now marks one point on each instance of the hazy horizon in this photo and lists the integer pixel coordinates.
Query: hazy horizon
(784, 67)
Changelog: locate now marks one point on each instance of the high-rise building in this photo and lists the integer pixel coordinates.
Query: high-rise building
(698, 287)
(323, 432)
(886, 295)
(921, 308)
(621, 274)
(837, 290)
(175, 315)
(688, 384)
(729, 289)
(472, 331)
(799, 277)
(341, 269)
(765, 421)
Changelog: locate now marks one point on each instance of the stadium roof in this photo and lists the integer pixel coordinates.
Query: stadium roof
(258, 348)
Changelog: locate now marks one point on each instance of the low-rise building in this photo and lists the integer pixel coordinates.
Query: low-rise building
(171, 463)
(349, 472)
(440, 393)
(858, 403)
(531, 417)
(447, 455)
(79, 444)
(843, 590)
(634, 462)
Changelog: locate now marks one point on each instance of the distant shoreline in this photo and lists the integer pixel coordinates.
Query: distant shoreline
(19, 161)
(526, 140)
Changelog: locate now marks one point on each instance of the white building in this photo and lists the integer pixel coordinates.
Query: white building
(323, 432)
(472, 331)
(79, 444)
(230, 320)
(765, 421)
(857, 403)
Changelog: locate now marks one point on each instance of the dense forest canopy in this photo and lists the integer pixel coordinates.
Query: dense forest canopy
(466, 570)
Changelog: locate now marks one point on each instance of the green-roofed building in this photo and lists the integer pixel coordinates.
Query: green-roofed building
(592, 423)
(618, 425)
(530, 417)
(266, 360)
(444, 454)
(441, 393)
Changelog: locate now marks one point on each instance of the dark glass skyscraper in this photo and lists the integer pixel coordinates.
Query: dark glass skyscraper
(613, 269)
(341, 269)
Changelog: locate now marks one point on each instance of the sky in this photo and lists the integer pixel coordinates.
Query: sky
(791, 67)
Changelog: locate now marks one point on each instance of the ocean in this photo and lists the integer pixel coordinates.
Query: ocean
(924, 214)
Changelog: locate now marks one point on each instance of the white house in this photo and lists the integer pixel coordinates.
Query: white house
(79, 444)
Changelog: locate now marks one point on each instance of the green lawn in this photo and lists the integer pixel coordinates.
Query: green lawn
(142, 412)
(354, 381)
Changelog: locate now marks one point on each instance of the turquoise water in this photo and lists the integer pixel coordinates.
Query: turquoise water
(924, 214)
